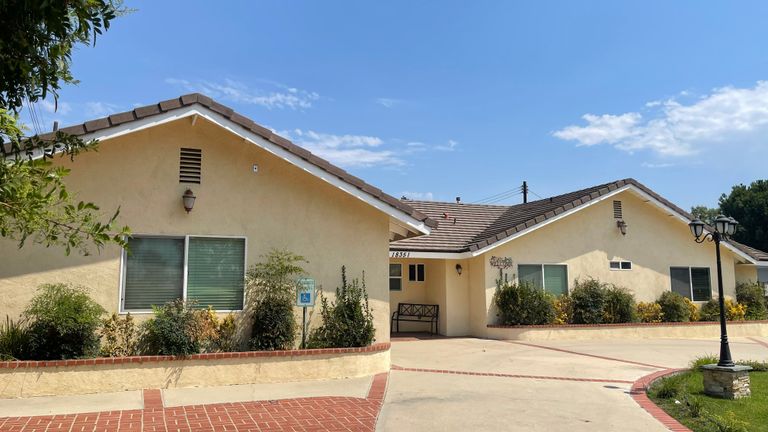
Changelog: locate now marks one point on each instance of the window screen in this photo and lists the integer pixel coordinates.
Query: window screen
(681, 282)
(700, 286)
(556, 279)
(154, 272)
(531, 274)
(216, 272)
(395, 277)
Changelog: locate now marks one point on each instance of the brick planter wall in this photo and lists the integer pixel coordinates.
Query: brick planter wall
(626, 331)
(82, 376)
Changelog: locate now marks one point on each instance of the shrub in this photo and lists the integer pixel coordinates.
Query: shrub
(14, 340)
(735, 311)
(120, 337)
(703, 360)
(693, 310)
(674, 308)
(589, 302)
(619, 305)
(563, 309)
(63, 321)
(215, 334)
(174, 330)
(274, 327)
(347, 321)
(756, 365)
(668, 388)
(271, 287)
(710, 311)
(752, 295)
(649, 312)
(523, 304)
(694, 405)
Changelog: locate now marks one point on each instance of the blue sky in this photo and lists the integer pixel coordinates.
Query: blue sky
(439, 99)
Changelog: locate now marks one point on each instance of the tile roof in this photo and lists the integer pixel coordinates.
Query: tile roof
(470, 227)
(248, 124)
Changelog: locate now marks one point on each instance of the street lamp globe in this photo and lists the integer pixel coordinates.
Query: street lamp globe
(721, 224)
(697, 227)
(732, 226)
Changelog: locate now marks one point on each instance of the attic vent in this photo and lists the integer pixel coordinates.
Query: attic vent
(617, 214)
(190, 161)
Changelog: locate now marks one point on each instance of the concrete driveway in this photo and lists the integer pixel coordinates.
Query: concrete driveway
(475, 384)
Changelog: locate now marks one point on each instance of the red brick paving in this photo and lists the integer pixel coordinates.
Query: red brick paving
(294, 415)
(639, 395)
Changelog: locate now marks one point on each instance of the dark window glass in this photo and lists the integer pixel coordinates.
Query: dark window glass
(626, 265)
(702, 291)
(420, 271)
(681, 281)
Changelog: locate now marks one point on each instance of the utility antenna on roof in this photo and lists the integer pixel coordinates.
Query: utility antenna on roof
(525, 191)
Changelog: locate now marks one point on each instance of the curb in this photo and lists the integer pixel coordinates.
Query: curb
(638, 393)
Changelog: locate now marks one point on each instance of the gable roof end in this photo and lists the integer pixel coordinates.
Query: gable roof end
(188, 100)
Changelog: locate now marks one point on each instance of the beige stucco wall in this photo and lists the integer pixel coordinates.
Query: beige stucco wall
(69, 380)
(746, 273)
(281, 206)
(585, 241)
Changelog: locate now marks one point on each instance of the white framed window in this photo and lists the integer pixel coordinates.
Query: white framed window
(620, 265)
(552, 278)
(395, 277)
(208, 269)
(416, 272)
(691, 282)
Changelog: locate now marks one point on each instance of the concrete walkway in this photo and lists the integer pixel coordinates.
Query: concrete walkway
(435, 384)
(475, 384)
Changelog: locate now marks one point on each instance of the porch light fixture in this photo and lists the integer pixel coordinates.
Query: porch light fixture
(189, 200)
(622, 227)
(724, 227)
(459, 269)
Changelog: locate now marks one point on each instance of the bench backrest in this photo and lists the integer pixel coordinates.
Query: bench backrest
(415, 309)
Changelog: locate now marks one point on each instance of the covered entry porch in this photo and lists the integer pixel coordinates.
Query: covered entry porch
(442, 282)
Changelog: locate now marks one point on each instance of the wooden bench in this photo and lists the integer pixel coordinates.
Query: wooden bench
(414, 312)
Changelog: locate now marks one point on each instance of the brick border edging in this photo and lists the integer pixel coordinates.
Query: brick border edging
(377, 347)
(638, 393)
(661, 324)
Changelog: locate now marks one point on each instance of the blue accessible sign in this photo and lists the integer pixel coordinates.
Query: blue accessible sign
(305, 293)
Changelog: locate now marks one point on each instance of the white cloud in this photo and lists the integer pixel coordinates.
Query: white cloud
(62, 108)
(450, 146)
(100, 109)
(280, 96)
(345, 150)
(388, 102)
(419, 196)
(657, 165)
(728, 114)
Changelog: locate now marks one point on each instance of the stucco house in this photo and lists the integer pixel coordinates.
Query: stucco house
(254, 191)
(620, 232)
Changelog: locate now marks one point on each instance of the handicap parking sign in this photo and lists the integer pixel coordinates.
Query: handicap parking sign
(305, 292)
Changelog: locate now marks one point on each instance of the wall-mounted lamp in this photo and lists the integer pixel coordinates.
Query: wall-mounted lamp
(459, 269)
(622, 227)
(189, 200)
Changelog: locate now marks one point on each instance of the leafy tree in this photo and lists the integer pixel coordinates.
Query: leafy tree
(749, 206)
(706, 214)
(35, 56)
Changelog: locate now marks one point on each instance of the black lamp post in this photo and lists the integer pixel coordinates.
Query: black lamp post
(724, 227)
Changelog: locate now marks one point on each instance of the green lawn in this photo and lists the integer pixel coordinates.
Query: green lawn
(752, 411)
